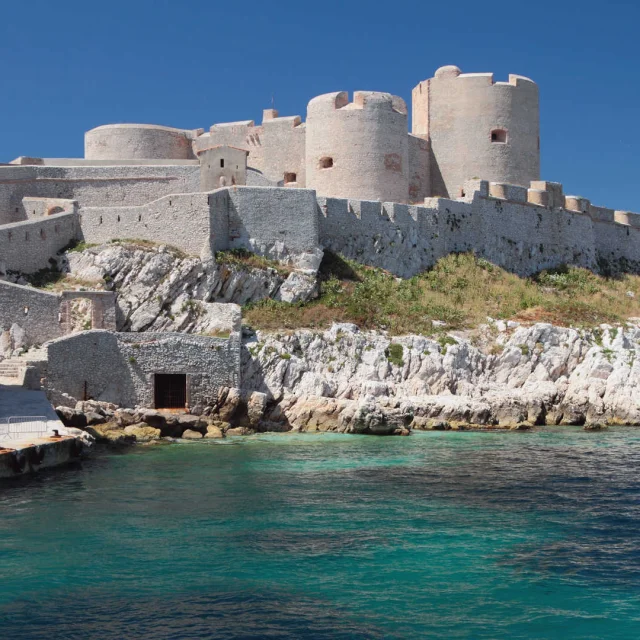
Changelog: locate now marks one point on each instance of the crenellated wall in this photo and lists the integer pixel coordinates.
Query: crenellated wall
(358, 149)
(499, 222)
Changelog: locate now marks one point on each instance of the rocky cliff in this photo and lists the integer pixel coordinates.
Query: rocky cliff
(348, 380)
(159, 289)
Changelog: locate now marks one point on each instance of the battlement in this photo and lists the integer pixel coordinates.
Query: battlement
(374, 100)
(238, 125)
(544, 194)
(270, 117)
(451, 72)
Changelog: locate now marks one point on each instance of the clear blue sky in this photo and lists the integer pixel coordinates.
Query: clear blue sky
(67, 66)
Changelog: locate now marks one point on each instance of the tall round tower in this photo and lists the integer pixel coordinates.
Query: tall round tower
(478, 128)
(358, 149)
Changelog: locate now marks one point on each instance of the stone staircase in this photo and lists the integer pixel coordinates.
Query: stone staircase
(12, 370)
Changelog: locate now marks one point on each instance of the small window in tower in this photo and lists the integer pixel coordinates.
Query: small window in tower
(499, 135)
(326, 163)
(222, 163)
(290, 177)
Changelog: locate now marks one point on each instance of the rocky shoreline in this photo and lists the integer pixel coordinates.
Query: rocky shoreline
(505, 376)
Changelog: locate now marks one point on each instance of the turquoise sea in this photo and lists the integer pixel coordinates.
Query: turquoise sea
(438, 535)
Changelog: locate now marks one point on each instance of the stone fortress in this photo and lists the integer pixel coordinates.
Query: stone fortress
(351, 179)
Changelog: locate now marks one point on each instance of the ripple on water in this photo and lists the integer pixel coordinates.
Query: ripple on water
(456, 535)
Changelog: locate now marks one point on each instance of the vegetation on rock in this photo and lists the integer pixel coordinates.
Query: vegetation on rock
(461, 290)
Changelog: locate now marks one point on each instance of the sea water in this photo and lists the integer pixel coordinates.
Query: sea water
(437, 535)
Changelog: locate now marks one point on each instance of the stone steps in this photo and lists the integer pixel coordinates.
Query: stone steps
(10, 369)
(13, 368)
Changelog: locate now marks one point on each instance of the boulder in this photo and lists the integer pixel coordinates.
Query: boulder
(95, 418)
(152, 418)
(112, 434)
(124, 417)
(214, 432)
(238, 431)
(190, 434)
(71, 417)
(229, 402)
(143, 432)
(256, 406)
(195, 423)
(594, 426)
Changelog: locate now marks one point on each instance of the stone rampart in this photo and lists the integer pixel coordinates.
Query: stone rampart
(29, 246)
(277, 223)
(91, 186)
(180, 220)
(43, 316)
(519, 236)
(36, 312)
(120, 367)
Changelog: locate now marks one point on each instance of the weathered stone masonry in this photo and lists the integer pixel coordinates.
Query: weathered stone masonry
(120, 367)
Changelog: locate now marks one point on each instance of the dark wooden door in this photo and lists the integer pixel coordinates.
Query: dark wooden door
(170, 390)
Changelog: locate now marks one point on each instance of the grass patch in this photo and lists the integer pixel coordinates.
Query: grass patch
(394, 353)
(248, 260)
(139, 243)
(77, 246)
(460, 290)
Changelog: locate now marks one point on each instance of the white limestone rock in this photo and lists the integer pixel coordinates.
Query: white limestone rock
(159, 290)
(540, 374)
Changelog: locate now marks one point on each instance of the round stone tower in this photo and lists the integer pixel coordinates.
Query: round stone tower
(478, 128)
(358, 149)
(138, 142)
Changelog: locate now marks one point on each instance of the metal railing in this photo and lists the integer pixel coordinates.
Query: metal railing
(16, 426)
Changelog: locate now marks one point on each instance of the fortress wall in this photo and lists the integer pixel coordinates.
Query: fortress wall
(358, 149)
(526, 238)
(276, 148)
(219, 220)
(405, 240)
(419, 169)
(617, 246)
(180, 220)
(120, 367)
(138, 141)
(28, 246)
(459, 112)
(243, 135)
(283, 143)
(277, 223)
(92, 186)
(37, 312)
(40, 207)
